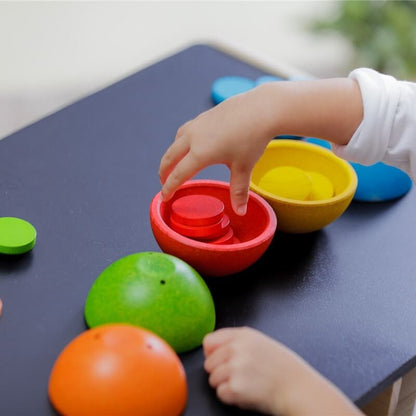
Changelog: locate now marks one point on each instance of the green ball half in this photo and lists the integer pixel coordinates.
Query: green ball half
(155, 291)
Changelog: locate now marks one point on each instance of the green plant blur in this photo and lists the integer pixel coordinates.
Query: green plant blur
(383, 34)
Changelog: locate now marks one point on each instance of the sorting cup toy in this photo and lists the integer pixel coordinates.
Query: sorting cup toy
(253, 232)
(155, 291)
(303, 216)
(118, 370)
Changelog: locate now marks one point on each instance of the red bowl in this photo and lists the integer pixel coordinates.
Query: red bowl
(254, 231)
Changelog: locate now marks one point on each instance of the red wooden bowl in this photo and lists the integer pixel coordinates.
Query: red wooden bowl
(254, 231)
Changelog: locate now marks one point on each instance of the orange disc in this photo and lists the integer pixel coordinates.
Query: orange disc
(118, 370)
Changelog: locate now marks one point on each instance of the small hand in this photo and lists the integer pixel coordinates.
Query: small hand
(250, 370)
(232, 133)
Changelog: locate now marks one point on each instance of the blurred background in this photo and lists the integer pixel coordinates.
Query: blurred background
(53, 53)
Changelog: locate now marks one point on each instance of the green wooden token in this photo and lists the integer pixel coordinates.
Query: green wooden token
(17, 236)
(155, 291)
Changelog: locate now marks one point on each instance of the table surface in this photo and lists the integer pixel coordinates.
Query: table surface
(343, 297)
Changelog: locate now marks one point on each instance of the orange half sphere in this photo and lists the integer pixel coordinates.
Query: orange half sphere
(118, 370)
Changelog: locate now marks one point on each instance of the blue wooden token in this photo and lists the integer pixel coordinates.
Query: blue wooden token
(319, 142)
(288, 136)
(376, 183)
(380, 182)
(267, 78)
(226, 87)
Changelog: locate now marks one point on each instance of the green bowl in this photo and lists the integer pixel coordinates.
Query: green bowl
(155, 291)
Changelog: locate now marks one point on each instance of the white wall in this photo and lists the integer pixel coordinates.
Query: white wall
(52, 53)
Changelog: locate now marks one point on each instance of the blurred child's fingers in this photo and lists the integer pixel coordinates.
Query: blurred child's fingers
(218, 357)
(226, 394)
(217, 338)
(220, 375)
(185, 169)
(178, 149)
(181, 129)
(239, 185)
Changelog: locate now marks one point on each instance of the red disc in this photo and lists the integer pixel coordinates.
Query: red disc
(225, 227)
(197, 210)
(205, 232)
(227, 238)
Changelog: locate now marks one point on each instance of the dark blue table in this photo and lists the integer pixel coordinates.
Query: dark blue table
(344, 298)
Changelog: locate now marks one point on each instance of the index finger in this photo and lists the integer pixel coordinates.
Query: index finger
(184, 170)
(177, 150)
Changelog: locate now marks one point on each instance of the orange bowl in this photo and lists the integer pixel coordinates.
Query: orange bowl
(255, 231)
(118, 370)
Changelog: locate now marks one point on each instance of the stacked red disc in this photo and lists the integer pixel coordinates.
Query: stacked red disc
(202, 218)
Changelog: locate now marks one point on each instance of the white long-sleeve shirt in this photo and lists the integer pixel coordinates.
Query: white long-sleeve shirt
(387, 132)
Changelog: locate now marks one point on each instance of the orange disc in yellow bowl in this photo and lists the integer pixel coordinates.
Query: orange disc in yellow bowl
(287, 182)
(118, 370)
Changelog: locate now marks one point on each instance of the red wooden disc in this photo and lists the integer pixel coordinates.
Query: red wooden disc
(205, 232)
(227, 238)
(197, 210)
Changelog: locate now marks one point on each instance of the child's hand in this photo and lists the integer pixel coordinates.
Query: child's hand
(249, 369)
(237, 131)
(234, 133)
(252, 371)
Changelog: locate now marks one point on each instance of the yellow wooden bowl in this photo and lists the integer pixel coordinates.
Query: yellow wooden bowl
(303, 216)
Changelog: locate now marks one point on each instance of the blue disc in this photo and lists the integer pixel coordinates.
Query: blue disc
(267, 78)
(226, 87)
(319, 142)
(379, 182)
(288, 136)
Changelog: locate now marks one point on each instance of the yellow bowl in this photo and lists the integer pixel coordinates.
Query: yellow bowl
(294, 216)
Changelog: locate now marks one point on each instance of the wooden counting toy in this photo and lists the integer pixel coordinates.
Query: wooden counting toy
(201, 217)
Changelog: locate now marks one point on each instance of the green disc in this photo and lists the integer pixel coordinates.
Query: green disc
(17, 236)
(155, 291)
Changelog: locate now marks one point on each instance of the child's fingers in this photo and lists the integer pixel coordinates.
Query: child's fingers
(181, 129)
(177, 150)
(226, 394)
(185, 169)
(239, 186)
(220, 375)
(217, 338)
(217, 357)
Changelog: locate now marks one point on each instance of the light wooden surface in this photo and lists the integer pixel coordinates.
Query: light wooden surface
(407, 399)
(385, 403)
(397, 400)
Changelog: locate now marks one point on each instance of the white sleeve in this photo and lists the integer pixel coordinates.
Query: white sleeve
(387, 132)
